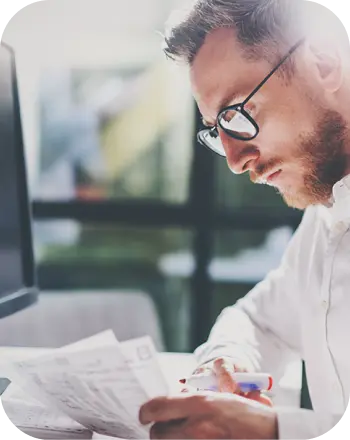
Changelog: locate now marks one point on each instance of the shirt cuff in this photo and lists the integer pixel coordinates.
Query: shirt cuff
(206, 353)
(303, 424)
(204, 363)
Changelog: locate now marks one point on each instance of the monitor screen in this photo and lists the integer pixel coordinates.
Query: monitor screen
(17, 280)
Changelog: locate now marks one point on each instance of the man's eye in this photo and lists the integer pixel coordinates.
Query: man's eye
(250, 110)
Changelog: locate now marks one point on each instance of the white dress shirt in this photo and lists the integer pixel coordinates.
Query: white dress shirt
(302, 307)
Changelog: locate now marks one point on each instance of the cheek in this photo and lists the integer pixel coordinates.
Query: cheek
(282, 128)
(286, 117)
(292, 178)
(277, 138)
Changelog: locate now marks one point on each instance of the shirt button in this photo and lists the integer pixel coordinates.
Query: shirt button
(325, 304)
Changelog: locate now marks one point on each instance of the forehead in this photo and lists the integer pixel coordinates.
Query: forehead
(220, 71)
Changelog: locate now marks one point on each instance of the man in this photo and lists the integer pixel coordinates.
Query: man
(272, 81)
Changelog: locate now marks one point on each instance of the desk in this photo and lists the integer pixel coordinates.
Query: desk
(176, 366)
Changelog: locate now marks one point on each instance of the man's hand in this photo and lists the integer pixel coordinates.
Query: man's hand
(209, 416)
(223, 368)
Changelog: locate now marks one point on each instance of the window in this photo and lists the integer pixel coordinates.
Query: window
(109, 133)
(122, 194)
(76, 256)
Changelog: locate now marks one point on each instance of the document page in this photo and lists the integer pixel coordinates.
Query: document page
(69, 381)
(142, 358)
(14, 392)
(17, 371)
(37, 421)
(98, 382)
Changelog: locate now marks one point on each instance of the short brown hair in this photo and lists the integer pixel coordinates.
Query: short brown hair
(260, 25)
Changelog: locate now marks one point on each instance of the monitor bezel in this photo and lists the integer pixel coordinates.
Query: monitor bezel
(27, 294)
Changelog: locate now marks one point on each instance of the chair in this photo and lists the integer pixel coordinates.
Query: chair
(62, 317)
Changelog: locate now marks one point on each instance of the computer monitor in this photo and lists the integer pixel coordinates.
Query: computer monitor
(17, 274)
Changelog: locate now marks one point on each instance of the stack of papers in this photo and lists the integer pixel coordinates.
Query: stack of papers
(42, 423)
(95, 385)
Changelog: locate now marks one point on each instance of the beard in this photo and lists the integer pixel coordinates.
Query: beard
(321, 157)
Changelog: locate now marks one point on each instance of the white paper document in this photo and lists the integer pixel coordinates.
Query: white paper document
(39, 422)
(99, 383)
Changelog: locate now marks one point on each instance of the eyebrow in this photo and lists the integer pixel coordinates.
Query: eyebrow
(228, 101)
(222, 104)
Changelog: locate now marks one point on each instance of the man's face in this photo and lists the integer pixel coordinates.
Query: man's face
(300, 147)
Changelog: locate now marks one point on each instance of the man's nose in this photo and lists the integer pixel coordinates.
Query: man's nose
(240, 155)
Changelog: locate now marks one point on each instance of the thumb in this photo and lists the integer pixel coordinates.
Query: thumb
(259, 397)
(223, 370)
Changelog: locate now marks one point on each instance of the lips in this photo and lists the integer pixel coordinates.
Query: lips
(272, 177)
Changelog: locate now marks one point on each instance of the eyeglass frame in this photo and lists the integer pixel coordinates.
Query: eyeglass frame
(240, 106)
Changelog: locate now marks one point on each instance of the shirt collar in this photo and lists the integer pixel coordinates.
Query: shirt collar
(340, 201)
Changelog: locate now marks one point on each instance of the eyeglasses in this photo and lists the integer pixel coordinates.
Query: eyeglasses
(235, 120)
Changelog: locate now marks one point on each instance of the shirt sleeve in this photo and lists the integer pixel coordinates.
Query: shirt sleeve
(303, 424)
(262, 331)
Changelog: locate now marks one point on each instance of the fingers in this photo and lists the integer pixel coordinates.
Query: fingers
(204, 368)
(256, 395)
(223, 370)
(168, 430)
(265, 400)
(201, 369)
(163, 409)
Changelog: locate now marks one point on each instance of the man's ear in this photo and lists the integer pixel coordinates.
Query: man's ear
(327, 67)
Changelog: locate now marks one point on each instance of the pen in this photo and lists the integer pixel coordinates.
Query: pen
(246, 381)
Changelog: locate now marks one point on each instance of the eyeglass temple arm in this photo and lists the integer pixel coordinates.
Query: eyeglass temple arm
(293, 48)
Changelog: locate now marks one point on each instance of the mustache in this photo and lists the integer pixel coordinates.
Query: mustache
(263, 170)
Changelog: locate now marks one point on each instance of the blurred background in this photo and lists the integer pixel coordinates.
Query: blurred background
(124, 199)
